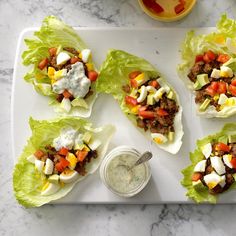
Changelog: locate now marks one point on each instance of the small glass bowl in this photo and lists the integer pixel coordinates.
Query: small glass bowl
(122, 150)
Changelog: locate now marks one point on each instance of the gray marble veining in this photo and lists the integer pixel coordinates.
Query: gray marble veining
(183, 220)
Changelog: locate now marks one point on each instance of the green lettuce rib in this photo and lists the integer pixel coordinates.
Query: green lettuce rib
(27, 182)
(195, 157)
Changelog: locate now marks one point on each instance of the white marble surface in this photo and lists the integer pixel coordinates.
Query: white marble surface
(96, 219)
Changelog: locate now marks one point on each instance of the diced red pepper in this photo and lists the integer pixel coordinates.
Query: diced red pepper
(92, 75)
(73, 60)
(81, 155)
(134, 74)
(209, 56)
(131, 101)
(43, 63)
(154, 83)
(153, 5)
(233, 162)
(67, 94)
(179, 8)
(233, 82)
(162, 112)
(223, 58)
(222, 88)
(147, 114)
(199, 58)
(196, 176)
(222, 147)
(210, 91)
(63, 151)
(134, 83)
(232, 89)
(143, 108)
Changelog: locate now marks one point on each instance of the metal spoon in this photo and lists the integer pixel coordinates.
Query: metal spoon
(146, 156)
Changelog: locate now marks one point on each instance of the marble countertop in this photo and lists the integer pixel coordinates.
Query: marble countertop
(95, 219)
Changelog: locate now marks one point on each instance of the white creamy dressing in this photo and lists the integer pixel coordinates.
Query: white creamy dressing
(75, 81)
(120, 178)
(66, 139)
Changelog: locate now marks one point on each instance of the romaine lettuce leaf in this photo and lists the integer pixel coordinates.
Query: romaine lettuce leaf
(195, 157)
(216, 41)
(53, 33)
(114, 74)
(27, 182)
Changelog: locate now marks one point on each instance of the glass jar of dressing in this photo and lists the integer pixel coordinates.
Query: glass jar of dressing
(116, 176)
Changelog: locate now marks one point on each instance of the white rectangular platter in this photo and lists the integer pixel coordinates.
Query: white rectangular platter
(161, 47)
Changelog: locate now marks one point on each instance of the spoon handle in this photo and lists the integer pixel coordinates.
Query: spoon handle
(146, 156)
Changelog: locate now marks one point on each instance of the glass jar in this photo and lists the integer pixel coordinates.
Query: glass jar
(116, 176)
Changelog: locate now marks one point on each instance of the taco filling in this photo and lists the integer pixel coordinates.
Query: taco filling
(70, 75)
(216, 171)
(153, 104)
(62, 161)
(213, 80)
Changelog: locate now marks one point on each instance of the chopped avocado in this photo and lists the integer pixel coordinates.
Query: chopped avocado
(232, 138)
(150, 99)
(205, 104)
(223, 139)
(79, 146)
(59, 49)
(171, 136)
(170, 95)
(197, 85)
(199, 186)
(87, 137)
(79, 102)
(203, 79)
(53, 179)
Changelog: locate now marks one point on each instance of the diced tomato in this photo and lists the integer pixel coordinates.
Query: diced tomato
(214, 85)
(81, 155)
(153, 5)
(147, 114)
(209, 56)
(131, 101)
(222, 88)
(233, 162)
(39, 153)
(179, 8)
(62, 164)
(232, 89)
(196, 176)
(223, 58)
(154, 83)
(43, 63)
(52, 51)
(134, 74)
(210, 91)
(73, 60)
(199, 58)
(162, 112)
(222, 147)
(67, 94)
(233, 82)
(92, 75)
(134, 83)
(63, 151)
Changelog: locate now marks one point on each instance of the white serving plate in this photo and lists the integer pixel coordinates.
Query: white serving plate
(161, 47)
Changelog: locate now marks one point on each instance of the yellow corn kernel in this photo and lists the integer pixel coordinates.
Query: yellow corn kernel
(216, 97)
(51, 72)
(212, 185)
(220, 39)
(80, 55)
(134, 109)
(86, 149)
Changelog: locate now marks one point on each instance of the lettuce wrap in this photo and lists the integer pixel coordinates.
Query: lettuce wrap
(222, 42)
(200, 193)
(114, 75)
(55, 34)
(28, 182)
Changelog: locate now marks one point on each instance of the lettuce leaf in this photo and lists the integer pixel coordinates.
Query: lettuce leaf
(195, 157)
(198, 44)
(53, 33)
(114, 74)
(27, 182)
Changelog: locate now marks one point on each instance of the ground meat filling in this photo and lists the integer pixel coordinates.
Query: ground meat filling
(229, 172)
(162, 124)
(51, 153)
(206, 67)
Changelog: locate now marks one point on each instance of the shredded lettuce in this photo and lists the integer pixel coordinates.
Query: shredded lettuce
(198, 44)
(195, 157)
(27, 182)
(53, 33)
(114, 74)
